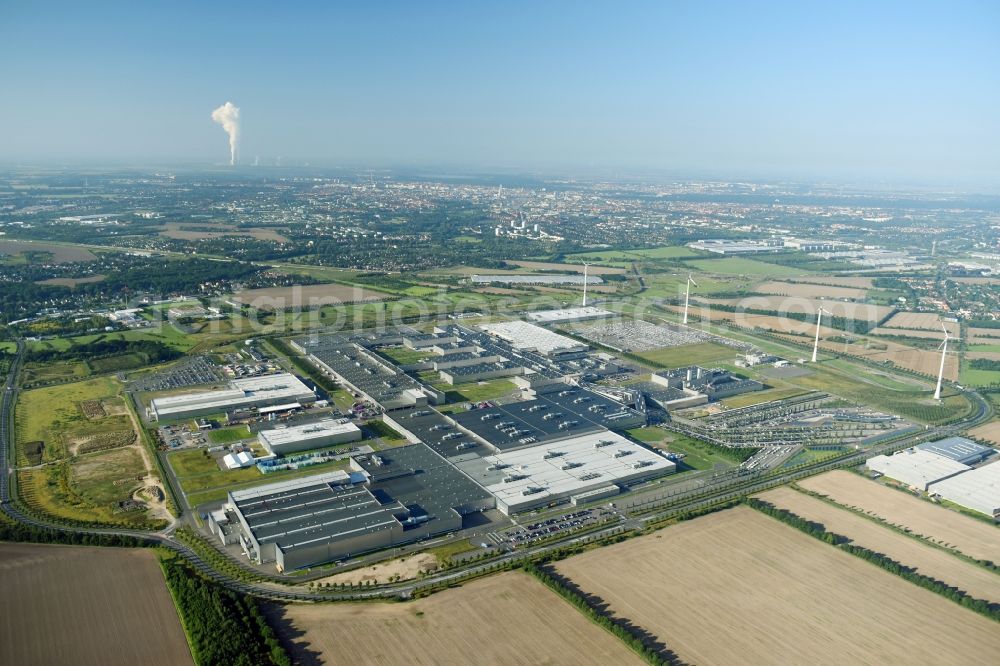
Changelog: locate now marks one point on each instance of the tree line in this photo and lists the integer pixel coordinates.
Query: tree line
(153, 351)
(222, 627)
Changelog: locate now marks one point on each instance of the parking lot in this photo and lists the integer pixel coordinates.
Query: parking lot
(189, 371)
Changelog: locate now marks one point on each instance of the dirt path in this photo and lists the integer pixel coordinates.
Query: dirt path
(406, 568)
(157, 508)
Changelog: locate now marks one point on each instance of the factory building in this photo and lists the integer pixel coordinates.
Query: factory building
(916, 468)
(463, 374)
(977, 489)
(714, 383)
(547, 418)
(246, 393)
(568, 315)
(523, 336)
(386, 499)
(294, 438)
(367, 375)
(958, 449)
(578, 469)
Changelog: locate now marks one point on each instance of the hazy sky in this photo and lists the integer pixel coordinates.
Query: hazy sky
(896, 90)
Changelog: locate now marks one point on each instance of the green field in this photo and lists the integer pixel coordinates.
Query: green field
(808, 456)
(697, 455)
(702, 353)
(49, 373)
(619, 256)
(228, 435)
(757, 397)
(167, 334)
(84, 489)
(742, 266)
(53, 415)
(666, 285)
(972, 377)
(477, 392)
(404, 356)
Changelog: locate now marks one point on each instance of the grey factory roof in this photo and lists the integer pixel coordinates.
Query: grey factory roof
(542, 418)
(477, 368)
(438, 432)
(434, 485)
(323, 507)
(372, 376)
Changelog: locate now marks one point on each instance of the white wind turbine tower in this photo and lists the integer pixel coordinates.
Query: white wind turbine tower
(819, 318)
(687, 296)
(585, 265)
(944, 354)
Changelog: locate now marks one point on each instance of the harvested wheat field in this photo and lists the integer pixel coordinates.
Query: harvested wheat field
(988, 431)
(926, 559)
(985, 336)
(970, 536)
(807, 306)
(855, 282)
(77, 605)
(929, 321)
(577, 268)
(306, 297)
(508, 618)
(803, 290)
(738, 587)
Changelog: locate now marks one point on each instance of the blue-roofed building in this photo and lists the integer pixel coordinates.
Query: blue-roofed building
(959, 449)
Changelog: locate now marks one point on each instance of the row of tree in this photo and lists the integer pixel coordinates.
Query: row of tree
(223, 627)
(152, 350)
(622, 630)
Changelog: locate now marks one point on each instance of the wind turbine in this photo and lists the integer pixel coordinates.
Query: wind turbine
(819, 318)
(585, 265)
(944, 352)
(687, 296)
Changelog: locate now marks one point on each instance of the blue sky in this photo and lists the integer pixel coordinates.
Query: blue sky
(849, 89)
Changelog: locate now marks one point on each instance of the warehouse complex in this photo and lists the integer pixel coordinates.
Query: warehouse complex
(582, 468)
(977, 489)
(568, 315)
(295, 438)
(386, 499)
(528, 337)
(282, 389)
(958, 449)
(916, 468)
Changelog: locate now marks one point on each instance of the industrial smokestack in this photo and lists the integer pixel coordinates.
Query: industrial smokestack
(228, 115)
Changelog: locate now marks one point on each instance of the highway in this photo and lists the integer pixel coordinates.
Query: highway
(722, 490)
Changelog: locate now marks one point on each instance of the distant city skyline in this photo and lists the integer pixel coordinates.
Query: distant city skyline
(893, 92)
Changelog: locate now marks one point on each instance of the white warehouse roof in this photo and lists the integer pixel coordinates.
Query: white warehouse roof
(561, 469)
(977, 489)
(568, 315)
(916, 467)
(309, 431)
(246, 392)
(524, 336)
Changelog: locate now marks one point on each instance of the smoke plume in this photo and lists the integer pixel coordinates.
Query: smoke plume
(228, 115)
